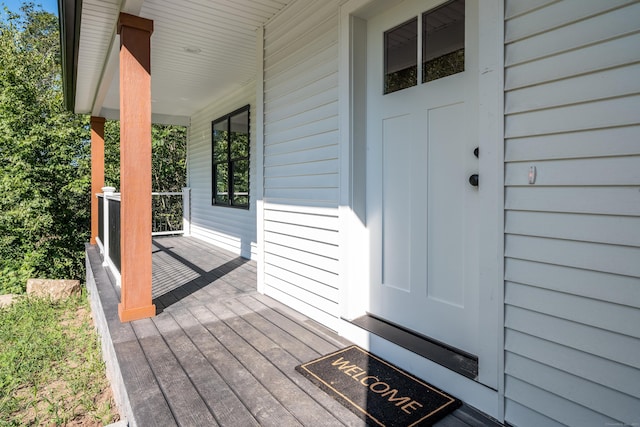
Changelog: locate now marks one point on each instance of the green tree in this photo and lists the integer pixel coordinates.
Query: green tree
(169, 155)
(168, 151)
(168, 169)
(44, 156)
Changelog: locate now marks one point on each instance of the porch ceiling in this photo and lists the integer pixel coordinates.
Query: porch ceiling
(199, 50)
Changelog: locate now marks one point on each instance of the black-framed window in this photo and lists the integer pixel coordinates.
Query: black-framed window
(230, 152)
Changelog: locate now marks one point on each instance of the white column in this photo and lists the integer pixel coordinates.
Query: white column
(106, 192)
(186, 211)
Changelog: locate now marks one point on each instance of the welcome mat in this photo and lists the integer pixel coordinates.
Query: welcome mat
(377, 391)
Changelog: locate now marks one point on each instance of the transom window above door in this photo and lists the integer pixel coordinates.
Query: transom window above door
(425, 48)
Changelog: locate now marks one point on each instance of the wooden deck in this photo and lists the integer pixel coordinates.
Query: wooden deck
(218, 352)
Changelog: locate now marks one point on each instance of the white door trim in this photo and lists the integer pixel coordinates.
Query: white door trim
(259, 132)
(354, 277)
(491, 133)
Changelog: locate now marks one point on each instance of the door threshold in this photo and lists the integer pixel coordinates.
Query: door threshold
(457, 360)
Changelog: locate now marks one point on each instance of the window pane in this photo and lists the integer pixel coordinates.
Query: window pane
(220, 141)
(241, 183)
(401, 57)
(230, 145)
(240, 136)
(221, 179)
(443, 41)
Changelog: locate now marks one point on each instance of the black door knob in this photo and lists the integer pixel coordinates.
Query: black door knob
(473, 180)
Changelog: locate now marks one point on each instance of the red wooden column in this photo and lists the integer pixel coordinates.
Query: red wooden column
(97, 171)
(135, 167)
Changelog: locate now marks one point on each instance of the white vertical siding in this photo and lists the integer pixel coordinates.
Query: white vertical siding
(301, 165)
(230, 228)
(572, 244)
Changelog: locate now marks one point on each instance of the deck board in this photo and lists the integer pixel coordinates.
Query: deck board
(301, 345)
(255, 396)
(281, 316)
(282, 358)
(288, 393)
(220, 353)
(223, 404)
(185, 402)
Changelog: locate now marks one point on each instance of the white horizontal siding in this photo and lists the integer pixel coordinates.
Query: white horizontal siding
(614, 288)
(617, 141)
(540, 22)
(608, 229)
(558, 410)
(301, 158)
(515, 8)
(595, 369)
(614, 52)
(229, 228)
(597, 398)
(572, 245)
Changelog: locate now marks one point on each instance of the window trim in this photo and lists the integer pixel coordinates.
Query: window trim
(230, 161)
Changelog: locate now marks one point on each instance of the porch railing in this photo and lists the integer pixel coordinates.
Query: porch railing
(171, 213)
(167, 212)
(114, 230)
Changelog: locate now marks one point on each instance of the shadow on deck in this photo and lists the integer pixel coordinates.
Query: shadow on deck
(218, 352)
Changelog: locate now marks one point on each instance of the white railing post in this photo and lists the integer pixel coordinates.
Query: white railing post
(186, 211)
(107, 192)
(99, 242)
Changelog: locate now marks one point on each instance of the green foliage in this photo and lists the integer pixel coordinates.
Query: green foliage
(14, 278)
(51, 370)
(112, 153)
(443, 66)
(437, 68)
(168, 169)
(45, 173)
(401, 79)
(44, 156)
(169, 153)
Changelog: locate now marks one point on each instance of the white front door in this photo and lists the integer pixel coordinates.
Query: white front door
(422, 210)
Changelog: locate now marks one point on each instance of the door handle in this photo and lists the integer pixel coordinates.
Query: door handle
(474, 180)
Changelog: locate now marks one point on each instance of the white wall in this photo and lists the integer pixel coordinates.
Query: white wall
(301, 165)
(572, 242)
(572, 248)
(230, 228)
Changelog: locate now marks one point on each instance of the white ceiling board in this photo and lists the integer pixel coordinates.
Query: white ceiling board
(223, 33)
(96, 29)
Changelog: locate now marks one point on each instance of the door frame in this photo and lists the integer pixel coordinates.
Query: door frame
(354, 240)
